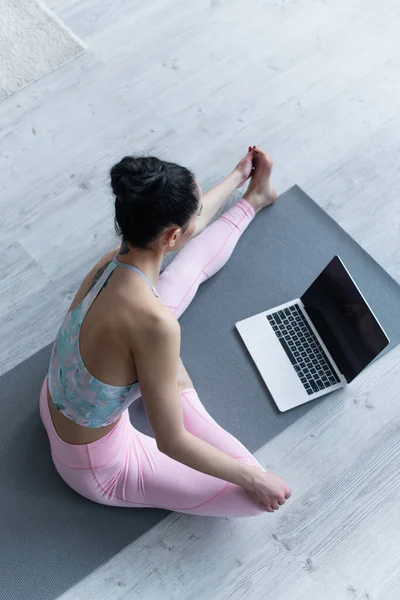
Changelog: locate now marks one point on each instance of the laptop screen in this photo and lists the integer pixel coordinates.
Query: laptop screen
(344, 320)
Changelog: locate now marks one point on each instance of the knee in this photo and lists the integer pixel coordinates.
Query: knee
(183, 380)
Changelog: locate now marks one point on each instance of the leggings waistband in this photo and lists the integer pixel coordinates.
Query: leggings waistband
(83, 456)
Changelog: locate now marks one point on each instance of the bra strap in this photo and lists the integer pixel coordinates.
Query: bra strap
(92, 294)
(136, 270)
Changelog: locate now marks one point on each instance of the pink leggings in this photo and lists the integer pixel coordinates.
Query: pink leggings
(125, 468)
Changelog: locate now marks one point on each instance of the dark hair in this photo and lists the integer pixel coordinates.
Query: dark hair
(150, 195)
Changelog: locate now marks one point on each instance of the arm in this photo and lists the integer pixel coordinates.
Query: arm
(156, 350)
(214, 198)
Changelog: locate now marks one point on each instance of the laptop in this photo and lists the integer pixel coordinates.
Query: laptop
(315, 344)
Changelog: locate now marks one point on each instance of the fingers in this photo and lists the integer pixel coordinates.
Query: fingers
(272, 506)
(271, 498)
(279, 501)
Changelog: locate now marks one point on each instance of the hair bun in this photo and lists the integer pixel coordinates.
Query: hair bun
(135, 178)
(150, 195)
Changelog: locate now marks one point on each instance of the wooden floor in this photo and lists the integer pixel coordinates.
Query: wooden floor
(315, 82)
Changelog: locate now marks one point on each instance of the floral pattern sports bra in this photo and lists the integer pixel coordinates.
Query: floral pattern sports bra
(74, 391)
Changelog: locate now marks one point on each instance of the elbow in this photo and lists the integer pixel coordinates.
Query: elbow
(171, 447)
(162, 446)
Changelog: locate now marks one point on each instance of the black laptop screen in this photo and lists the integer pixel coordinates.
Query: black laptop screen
(343, 319)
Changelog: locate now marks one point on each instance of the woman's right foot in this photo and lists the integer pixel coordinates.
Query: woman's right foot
(261, 192)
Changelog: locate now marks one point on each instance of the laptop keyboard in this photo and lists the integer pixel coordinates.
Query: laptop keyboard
(303, 349)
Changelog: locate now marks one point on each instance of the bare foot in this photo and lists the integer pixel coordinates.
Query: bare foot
(261, 192)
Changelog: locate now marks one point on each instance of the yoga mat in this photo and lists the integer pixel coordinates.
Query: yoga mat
(51, 538)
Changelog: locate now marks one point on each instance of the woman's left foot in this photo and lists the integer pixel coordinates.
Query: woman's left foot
(261, 192)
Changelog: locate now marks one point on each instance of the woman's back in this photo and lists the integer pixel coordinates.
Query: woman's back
(92, 373)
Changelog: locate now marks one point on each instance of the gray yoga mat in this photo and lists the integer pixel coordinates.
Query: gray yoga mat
(51, 538)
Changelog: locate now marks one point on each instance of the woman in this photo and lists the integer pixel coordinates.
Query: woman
(120, 331)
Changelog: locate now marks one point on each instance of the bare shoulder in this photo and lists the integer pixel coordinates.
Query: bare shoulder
(158, 322)
(153, 333)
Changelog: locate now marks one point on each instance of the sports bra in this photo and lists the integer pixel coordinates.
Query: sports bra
(74, 391)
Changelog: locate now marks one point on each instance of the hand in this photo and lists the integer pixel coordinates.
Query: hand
(269, 490)
(243, 169)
